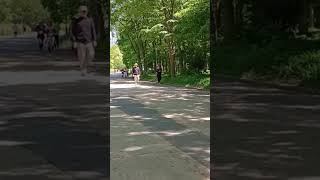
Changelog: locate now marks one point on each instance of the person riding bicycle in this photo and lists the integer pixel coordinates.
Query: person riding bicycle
(136, 73)
(50, 34)
(40, 29)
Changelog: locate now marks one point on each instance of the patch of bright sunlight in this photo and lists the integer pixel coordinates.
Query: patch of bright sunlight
(205, 119)
(118, 116)
(199, 149)
(127, 86)
(164, 133)
(168, 133)
(133, 148)
(137, 116)
(173, 115)
(139, 133)
(181, 98)
(113, 107)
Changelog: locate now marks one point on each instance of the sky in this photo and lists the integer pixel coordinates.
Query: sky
(113, 39)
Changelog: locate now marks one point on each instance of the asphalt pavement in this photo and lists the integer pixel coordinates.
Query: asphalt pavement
(53, 121)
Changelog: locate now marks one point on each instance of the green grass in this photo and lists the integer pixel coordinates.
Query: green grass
(277, 60)
(196, 81)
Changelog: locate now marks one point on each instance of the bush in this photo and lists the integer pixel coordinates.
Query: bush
(305, 66)
(277, 59)
(191, 80)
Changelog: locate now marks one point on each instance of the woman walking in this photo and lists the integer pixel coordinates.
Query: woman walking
(136, 73)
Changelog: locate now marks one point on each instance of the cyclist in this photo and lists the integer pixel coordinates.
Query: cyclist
(41, 34)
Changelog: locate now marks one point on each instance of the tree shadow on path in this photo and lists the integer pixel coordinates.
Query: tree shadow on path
(264, 133)
(191, 142)
(63, 123)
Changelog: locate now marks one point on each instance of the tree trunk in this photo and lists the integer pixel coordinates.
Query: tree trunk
(156, 56)
(214, 16)
(303, 16)
(311, 18)
(228, 19)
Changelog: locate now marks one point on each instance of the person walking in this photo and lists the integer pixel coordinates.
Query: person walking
(84, 38)
(125, 73)
(15, 30)
(159, 72)
(136, 73)
(50, 33)
(57, 37)
(24, 29)
(40, 29)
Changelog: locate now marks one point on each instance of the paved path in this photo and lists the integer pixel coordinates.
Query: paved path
(262, 133)
(158, 133)
(53, 122)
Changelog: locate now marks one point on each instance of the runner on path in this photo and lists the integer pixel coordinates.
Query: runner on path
(84, 39)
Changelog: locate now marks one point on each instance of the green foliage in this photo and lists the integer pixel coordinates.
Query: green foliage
(26, 12)
(62, 10)
(284, 60)
(305, 66)
(116, 58)
(150, 32)
(189, 80)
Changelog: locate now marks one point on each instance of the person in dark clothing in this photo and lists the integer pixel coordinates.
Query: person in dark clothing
(40, 29)
(56, 39)
(159, 72)
(122, 72)
(15, 30)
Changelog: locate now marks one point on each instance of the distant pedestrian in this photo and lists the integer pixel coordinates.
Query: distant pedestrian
(84, 38)
(125, 74)
(136, 73)
(24, 29)
(159, 72)
(50, 32)
(56, 37)
(15, 30)
(40, 34)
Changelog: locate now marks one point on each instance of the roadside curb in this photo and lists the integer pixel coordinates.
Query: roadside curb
(293, 88)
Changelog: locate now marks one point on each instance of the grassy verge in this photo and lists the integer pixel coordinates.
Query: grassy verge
(197, 81)
(281, 61)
